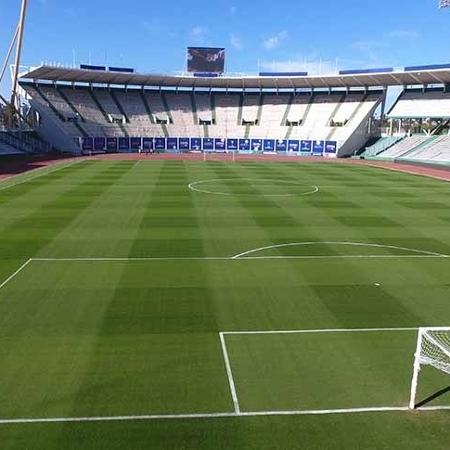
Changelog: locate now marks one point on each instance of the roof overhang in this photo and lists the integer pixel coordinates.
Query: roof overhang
(400, 78)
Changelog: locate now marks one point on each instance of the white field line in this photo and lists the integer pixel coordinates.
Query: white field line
(25, 264)
(353, 244)
(228, 258)
(323, 330)
(193, 187)
(46, 172)
(229, 374)
(377, 409)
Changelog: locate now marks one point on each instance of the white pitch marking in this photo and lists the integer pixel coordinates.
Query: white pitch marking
(192, 186)
(25, 264)
(354, 244)
(322, 330)
(231, 383)
(377, 409)
(60, 166)
(228, 258)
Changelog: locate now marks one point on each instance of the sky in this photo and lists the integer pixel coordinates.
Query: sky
(269, 35)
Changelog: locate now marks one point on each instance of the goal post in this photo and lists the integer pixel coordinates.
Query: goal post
(433, 349)
(229, 155)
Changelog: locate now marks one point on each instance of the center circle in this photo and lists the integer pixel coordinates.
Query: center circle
(253, 186)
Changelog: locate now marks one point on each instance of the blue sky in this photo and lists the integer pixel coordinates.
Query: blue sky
(266, 34)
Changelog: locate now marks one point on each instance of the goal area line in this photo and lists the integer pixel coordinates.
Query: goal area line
(149, 417)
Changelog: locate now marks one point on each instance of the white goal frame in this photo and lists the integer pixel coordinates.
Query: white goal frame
(424, 334)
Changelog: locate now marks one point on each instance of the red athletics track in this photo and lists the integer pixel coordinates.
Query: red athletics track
(11, 167)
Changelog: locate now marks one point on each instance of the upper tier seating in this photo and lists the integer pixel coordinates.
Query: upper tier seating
(414, 104)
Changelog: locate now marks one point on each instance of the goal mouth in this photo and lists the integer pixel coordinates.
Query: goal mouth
(335, 249)
(433, 350)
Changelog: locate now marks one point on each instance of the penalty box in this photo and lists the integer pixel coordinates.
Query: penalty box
(70, 350)
(320, 371)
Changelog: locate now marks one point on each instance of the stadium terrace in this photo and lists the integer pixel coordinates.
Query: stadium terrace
(93, 109)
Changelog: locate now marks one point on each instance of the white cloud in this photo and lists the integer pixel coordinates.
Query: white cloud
(275, 41)
(236, 42)
(198, 34)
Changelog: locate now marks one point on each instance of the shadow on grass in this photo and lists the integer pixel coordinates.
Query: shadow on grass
(434, 396)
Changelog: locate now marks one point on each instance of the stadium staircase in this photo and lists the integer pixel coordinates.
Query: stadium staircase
(55, 110)
(71, 105)
(286, 115)
(147, 108)
(358, 108)
(212, 100)
(194, 108)
(241, 110)
(99, 105)
(119, 106)
(308, 109)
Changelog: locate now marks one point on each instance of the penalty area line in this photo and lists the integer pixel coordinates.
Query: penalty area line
(322, 330)
(25, 264)
(312, 412)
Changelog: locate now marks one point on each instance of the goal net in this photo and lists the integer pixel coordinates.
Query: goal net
(433, 349)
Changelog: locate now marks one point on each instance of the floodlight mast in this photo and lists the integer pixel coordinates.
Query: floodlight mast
(19, 36)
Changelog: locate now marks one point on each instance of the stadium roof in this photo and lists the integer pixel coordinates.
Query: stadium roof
(394, 78)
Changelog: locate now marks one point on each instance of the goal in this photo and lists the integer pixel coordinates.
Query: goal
(219, 156)
(433, 349)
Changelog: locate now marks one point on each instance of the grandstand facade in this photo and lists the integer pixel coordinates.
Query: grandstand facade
(94, 109)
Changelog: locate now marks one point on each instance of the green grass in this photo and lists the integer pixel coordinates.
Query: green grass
(134, 336)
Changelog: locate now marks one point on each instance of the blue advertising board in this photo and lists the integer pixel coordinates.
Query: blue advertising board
(257, 145)
(112, 144)
(331, 147)
(183, 144)
(135, 143)
(220, 145)
(232, 144)
(208, 144)
(269, 145)
(196, 143)
(147, 143)
(160, 143)
(281, 145)
(87, 144)
(306, 146)
(294, 145)
(124, 144)
(99, 143)
(172, 144)
(244, 145)
(318, 147)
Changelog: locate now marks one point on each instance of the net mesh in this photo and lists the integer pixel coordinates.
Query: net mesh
(435, 349)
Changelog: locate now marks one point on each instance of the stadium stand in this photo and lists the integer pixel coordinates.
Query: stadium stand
(435, 149)
(419, 104)
(299, 114)
(132, 112)
(380, 146)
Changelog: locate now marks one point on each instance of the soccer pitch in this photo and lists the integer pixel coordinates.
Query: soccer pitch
(219, 305)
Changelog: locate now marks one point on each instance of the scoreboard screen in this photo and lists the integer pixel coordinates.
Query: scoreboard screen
(205, 60)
